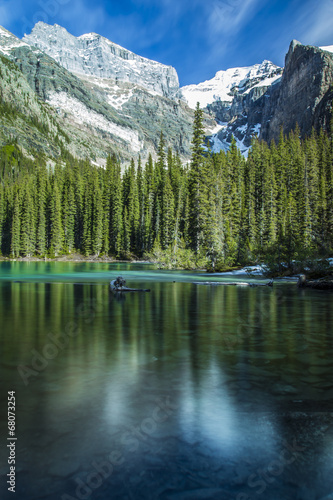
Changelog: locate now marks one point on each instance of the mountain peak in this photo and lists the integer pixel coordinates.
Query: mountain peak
(89, 36)
(226, 83)
(93, 55)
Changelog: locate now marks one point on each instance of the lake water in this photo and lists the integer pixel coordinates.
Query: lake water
(187, 392)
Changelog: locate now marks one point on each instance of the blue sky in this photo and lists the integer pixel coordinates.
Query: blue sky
(197, 37)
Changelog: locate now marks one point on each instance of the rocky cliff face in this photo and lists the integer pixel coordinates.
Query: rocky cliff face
(96, 56)
(104, 115)
(304, 95)
(263, 98)
(106, 99)
(232, 97)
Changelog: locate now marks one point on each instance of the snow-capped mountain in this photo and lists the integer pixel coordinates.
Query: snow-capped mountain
(112, 100)
(226, 84)
(225, 97)
(104, 99)
(258, 100)
(92, 55)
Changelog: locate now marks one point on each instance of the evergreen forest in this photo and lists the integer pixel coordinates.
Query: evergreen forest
(217, 211)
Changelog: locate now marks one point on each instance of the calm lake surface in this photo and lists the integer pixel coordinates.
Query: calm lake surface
(187, 392)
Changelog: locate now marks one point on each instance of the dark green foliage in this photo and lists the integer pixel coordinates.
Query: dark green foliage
(56, 222)
(27, 221)
(198, 187)
(219, 211)
(15, 227)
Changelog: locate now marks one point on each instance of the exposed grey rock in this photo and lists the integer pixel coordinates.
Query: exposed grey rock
(100, 115)
(104, 99)
(93, 55)
(304, 95)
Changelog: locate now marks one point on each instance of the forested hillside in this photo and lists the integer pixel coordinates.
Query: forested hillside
(221, 209)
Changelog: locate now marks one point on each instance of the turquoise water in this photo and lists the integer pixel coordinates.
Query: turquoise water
(186, 392)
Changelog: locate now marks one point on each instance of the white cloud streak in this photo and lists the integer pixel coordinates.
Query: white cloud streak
(227, 17)
(180, 30)
(7, 14)
(317, 23)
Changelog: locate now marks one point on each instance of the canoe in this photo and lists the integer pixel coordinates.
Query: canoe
(126, 289)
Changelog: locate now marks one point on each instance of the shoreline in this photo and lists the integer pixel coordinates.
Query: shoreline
(111, 260)
(250, 271)
(74, 258)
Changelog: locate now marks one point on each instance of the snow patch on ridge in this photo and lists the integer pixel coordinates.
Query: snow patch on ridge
(328, 48)
(85, 116)
(117, 101)
(9, 42)
(217, 145)
(218, 141)
(4, 32)
(226, 83)
(267, 82)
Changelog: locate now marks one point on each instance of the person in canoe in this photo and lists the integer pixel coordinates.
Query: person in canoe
(119, 285)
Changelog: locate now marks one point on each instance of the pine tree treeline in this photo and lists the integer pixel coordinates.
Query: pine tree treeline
(221, 207)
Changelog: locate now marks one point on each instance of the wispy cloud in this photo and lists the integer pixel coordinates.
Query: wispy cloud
(132, 28)
(198, 37)
(228, 17)
(225, 20)
(317, 23)
(7, 13)
(82, 17)
(311, 25)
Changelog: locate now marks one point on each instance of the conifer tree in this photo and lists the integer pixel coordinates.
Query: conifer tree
(106, 217)
(70, 220)
(27, 224)
(141, 200)
(213, 235)
(16, 227)
(160, 166)
(41, 242)
(78, 196)
(127, 232)
(57, 234)
(87, 222)
(133, 210)
(97, 217)
(149, 183)
(168, 209)
(116, 216)
(197, 184)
